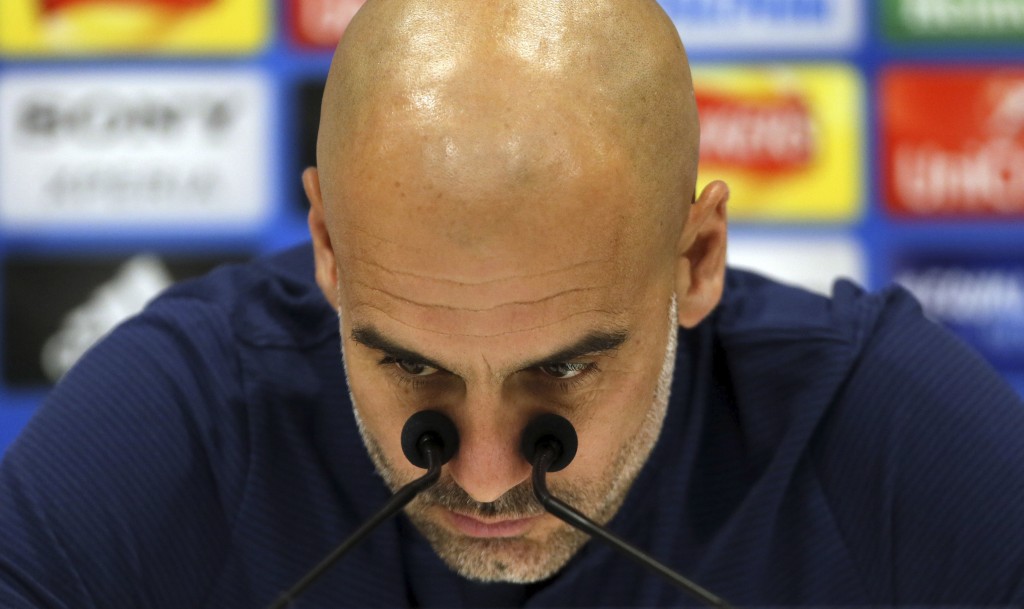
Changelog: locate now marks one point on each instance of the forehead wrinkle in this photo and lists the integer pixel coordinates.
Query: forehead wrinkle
(362, 231)
(489, 367)
(476, 309)
(482, 282)
(364, 305)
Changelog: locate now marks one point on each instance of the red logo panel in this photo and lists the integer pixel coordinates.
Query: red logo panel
(320, 23)
(953, 142)
(767, 134)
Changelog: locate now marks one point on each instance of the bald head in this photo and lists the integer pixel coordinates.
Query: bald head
(511, 95)
(501, 215)
(485, 143)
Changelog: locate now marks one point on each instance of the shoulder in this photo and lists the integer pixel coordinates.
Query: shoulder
(875, 348)
(179, 375)
(271, 301)
(917, 451)
(200, 339)
(755, 308)
(793, 355)
(786, 352)
(913, 438)
(872, 336)
(176, 411)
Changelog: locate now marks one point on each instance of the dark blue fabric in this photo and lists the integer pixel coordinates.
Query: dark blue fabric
(817, 451)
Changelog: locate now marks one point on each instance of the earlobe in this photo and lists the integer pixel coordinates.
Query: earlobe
(700, 271)
(323, 249)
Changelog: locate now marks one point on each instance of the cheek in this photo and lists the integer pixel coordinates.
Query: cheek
(381, 408)
(611, 418)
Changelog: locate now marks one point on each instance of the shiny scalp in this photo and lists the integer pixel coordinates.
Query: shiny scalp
(611, 67)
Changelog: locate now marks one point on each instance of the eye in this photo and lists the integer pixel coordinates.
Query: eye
(564, 370)
(415, 368)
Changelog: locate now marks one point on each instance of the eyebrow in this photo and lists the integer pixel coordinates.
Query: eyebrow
(594, 343)
(372, 338)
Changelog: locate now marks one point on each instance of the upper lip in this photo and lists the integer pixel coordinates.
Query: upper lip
(496, 520)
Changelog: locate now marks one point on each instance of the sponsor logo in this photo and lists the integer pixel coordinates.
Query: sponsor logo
(56, 309)
(962, 296)
(814, 263)
(321, 23)
(787, 140)
(115, 148)
(104, 119)
(55, 6)
(767, 24)
(117, 26)
(136, 282)
(727, 11)
(765, 135)
(980, 300)
(954, 19)
(953, 142)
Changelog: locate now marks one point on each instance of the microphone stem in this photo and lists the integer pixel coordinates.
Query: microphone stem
(546, 455)
(398, 501)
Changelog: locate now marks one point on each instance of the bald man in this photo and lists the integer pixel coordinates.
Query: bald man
(505, 223)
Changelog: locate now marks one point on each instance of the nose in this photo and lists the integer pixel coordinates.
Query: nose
(488, 463)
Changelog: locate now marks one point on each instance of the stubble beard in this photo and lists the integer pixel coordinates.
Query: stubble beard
(516, 559)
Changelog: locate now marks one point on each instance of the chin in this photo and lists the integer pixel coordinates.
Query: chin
(524, 559)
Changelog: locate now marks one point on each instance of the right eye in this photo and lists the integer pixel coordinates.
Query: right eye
(566, 370)
(415, 368)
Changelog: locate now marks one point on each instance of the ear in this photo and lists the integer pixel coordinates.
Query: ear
(323, 250)
(700, 263)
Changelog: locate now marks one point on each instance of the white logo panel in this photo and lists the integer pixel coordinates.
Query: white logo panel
(813, 263)
(120, 148)
(744, 25)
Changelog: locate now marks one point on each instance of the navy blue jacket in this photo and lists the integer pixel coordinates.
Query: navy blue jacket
(816, 451)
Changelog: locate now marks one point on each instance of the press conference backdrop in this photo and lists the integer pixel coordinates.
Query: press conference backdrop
(145, 141)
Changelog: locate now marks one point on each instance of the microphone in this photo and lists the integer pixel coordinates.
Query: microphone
(549, 443)
(429, 440)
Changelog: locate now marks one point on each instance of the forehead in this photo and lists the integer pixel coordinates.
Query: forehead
(425, 278)
(476, 270)
(490, 225)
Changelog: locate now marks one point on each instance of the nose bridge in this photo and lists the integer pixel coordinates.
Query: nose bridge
(488, 463)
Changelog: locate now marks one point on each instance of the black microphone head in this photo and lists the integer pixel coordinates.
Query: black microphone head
(551, 428)
(429, 422)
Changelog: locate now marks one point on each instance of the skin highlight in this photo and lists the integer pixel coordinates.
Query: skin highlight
(498, 183)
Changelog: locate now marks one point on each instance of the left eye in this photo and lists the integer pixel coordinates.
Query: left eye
(563, 370)
(415, 368)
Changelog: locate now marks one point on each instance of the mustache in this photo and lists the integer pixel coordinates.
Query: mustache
(518, 502)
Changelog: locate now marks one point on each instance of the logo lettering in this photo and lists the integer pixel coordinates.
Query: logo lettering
(104, 118)
(86, 148)
(954, 16)
(751, 10)
(967, 296)
(135, 284)
(759, 135)
(962, 156)
(983, 180)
